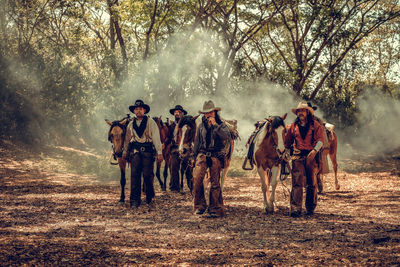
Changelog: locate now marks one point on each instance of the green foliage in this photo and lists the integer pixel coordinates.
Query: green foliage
(60, 67)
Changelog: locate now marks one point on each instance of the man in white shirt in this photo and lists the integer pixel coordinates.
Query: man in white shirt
(142, 142)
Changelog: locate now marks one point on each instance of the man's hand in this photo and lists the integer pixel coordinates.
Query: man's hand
(159, 158)
(311, 155)
(211, 121)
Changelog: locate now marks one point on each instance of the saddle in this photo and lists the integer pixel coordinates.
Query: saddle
(250, 144)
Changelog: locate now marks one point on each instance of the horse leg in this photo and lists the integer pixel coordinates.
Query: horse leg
(222, 178)
(273, 181)
(320, 183)
(335, 166)
(165, 173)
(159, 175)
(224, 173)
(182, 168)
(262, 174)
(122, 165)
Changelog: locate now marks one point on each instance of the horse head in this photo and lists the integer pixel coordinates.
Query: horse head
(276, 128)
(116, 134)
(186, 133)
(163, 128)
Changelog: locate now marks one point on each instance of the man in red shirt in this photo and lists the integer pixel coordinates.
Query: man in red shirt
(306, 137)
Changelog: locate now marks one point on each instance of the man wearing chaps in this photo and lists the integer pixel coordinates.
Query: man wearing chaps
(212, 140)
(306, 137)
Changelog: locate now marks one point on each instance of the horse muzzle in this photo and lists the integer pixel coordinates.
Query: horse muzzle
(118, 154)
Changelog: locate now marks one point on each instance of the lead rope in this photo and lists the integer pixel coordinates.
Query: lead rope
(284, 174)
(112, 157)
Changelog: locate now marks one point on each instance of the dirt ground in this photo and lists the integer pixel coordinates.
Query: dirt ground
(51, 216)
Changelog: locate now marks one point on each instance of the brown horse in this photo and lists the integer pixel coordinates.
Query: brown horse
(331, 150)
(185, 139)
(330, 147)
(116, 135)
(268, 147)
(166, 131)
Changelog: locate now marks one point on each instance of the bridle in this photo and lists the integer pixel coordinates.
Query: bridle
(283, 157)
(123, 127)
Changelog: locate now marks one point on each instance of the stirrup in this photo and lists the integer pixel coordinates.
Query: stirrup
(245, 163)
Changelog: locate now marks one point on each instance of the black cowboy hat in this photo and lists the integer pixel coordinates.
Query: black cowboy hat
(139, 103)
(177, 107)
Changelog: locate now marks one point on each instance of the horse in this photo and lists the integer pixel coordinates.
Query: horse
(329, 149)
(186, 133)
(165, 135)
(268, 146)
(116, 135)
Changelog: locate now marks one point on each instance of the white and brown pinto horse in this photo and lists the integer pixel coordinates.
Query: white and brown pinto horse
(268, 154)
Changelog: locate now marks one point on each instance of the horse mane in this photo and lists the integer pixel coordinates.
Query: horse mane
(276, 122)
(187, 120)
(158, 119)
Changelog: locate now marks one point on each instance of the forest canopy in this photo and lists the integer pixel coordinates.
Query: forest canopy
(62, 63)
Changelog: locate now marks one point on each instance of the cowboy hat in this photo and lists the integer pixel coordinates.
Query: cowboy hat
(139, 103)
(303, 105)
(208, 107)
(177, 107)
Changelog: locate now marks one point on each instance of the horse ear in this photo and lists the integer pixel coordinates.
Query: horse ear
(284, 116)
(108, 122)
(124, 121)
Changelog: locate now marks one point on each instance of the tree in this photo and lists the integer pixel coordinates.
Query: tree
(304, 31)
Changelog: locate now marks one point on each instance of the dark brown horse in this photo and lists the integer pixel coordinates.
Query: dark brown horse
(166, 131)
(116, 135)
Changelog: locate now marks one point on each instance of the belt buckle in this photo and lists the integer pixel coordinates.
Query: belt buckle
(208, 154)
(142, 149)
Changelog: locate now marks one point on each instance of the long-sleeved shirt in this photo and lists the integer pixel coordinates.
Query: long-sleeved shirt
(151, 134)
(218, 138)
(293, 136)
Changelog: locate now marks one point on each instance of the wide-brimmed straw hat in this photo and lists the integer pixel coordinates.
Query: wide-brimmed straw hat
(139, 103)
(177, 107)
(208, 107)
(303, 105)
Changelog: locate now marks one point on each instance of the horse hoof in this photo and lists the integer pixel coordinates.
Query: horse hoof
(269, 210)
(121, 201)
(337, 187)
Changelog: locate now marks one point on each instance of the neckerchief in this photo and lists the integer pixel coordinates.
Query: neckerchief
(140, 129)
(303, 129)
